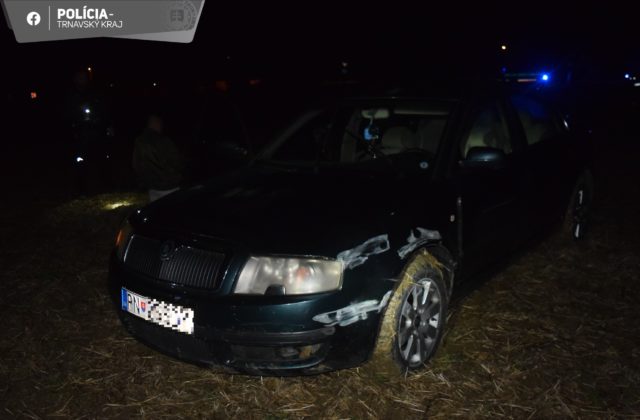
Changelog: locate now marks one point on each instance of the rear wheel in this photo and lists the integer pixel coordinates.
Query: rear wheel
(579, 209)
(414, 320)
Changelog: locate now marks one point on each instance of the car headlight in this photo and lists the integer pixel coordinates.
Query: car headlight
(289, 276)
(124, 233)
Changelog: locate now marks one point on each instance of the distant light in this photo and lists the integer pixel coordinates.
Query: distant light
(34, 95)
(89, 69)
(544, 77)
(117, 204)
(627, 76)
(87, 111)
(79, 159)
(636, 84)
(503, 47)
(155, 84)
(221, 85)
(344, 64)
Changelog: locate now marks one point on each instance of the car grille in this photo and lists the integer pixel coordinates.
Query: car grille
(185, 265)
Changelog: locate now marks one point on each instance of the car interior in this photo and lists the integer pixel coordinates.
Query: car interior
(488, 130)
(395, 131)
(536, 120)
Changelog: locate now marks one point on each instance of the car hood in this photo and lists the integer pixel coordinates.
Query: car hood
(308, 212)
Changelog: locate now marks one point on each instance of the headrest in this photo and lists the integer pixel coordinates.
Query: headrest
(397, 139)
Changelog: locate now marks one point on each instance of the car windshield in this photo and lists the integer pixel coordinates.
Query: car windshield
(362, 131)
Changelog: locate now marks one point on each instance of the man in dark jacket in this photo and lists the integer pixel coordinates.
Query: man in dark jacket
(157, 161)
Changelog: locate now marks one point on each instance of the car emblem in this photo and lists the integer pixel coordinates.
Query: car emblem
(167, 249)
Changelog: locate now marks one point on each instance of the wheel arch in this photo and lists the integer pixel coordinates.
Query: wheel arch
(445, 258)
(444, 262)
(434, 255)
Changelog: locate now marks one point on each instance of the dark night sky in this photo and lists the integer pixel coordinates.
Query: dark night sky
(373, 39)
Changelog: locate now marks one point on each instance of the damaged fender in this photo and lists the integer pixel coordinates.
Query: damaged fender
(354, 312)
(415, 241)
(354, 257)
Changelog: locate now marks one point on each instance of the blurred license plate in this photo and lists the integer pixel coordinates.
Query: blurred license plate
(164, 314)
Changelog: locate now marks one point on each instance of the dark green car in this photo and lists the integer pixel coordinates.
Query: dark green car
(345, 239)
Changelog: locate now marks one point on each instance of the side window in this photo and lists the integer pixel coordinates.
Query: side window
(537, 120)
(488, 130)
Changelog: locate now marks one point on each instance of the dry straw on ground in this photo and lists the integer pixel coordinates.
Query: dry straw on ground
(553, 335)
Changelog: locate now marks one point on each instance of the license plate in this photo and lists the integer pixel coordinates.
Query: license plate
(167, 315)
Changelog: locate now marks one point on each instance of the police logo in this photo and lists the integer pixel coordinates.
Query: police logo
(167, 249)
(181, 15)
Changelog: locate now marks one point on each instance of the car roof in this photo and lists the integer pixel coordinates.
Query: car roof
(443, 87)
(440, 89)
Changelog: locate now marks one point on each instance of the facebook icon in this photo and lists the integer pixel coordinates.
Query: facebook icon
(33, 18)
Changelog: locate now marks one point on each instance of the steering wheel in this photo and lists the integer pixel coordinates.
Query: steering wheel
(419, 151)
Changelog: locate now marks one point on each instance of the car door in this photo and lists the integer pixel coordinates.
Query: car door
(490, 197)
(547, 160)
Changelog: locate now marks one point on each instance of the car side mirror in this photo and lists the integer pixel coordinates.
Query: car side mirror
(484, 157)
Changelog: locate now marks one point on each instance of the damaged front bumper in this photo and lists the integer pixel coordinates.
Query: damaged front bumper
(253, 338)
(247, 352)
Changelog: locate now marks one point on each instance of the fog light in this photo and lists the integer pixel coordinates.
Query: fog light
(288, 352)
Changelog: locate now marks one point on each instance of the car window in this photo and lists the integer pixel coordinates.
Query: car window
(537, 120)
(487, 130)
(348, 134)
(401, 130)
(304, 144)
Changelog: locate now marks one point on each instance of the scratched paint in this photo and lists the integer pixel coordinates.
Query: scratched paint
(357, 256)
(353, 313)
(414, 241)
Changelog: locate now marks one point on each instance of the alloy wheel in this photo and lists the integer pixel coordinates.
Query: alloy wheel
(419, 322)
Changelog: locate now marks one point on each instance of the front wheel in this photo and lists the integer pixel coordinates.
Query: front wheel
(414, 320)
(419, 323)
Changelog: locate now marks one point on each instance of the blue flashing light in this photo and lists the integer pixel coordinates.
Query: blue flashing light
(544, 77)
(627, 76)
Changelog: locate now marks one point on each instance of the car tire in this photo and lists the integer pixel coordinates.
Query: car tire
(577, 215)
(413, 322)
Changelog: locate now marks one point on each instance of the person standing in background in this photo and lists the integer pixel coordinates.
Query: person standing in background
(157, 162)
